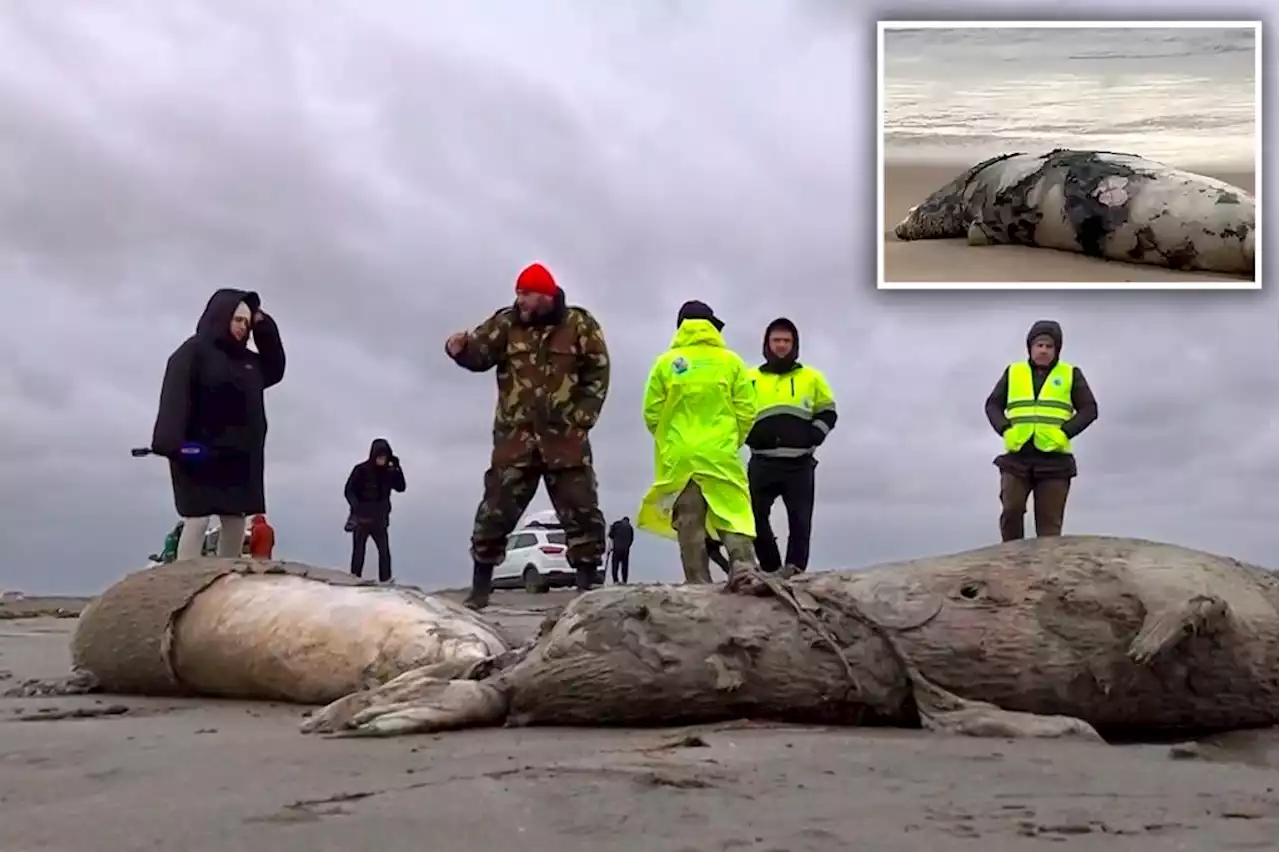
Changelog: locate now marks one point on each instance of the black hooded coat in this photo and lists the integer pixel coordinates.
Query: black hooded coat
(368, 489)
(1029, 461)
(212, 395)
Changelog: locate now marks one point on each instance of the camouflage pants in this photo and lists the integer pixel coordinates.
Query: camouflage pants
(507, 494)
(689, 517)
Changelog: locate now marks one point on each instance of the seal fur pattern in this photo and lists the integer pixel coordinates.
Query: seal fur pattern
(1106, 205)
(1077, 636)
(261, 629)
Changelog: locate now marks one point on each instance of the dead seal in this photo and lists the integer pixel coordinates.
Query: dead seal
(1106, 205)
(1073, 636)
(266, 630)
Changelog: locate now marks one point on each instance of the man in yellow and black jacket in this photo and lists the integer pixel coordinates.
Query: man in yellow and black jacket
(795, 412)
(1038, 406)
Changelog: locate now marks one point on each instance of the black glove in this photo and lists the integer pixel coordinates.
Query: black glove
(393, 461)
(818, 436)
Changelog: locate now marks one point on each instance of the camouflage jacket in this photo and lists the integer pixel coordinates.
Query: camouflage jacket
(553, 377)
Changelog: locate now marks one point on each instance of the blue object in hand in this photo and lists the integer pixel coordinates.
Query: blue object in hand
(193, 451)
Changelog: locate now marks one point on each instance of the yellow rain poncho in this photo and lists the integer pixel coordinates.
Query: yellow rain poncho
(699, 405)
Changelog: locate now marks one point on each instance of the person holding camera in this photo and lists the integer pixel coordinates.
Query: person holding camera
(368, 493)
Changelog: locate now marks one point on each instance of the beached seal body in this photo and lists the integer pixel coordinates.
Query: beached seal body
(1047, 637)
(267, 630)
(1114, 206)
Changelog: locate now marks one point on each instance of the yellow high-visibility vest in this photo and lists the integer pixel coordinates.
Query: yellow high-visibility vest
(1039, 419)
(801, 393)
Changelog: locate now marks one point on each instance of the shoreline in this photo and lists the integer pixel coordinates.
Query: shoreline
(908, 182)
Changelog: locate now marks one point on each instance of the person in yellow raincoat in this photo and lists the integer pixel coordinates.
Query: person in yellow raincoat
(699, 406)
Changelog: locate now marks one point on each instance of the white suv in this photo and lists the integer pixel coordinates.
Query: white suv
(536, 560)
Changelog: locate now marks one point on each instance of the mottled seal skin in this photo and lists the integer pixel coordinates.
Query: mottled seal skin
(1072, 636)
(1097, 203)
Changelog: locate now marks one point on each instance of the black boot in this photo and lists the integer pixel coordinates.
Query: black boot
(481, 586)
(585, 575)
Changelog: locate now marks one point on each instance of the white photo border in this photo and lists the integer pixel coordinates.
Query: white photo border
(882, 26)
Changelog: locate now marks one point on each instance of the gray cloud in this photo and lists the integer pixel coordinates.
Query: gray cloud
(379, 175)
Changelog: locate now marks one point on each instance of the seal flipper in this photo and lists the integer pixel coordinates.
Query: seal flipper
(396, 694)
(436, 705)
(945, 712)
(979, 235)
(1164, 628)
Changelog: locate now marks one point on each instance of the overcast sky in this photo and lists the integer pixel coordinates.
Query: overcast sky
(380, 177)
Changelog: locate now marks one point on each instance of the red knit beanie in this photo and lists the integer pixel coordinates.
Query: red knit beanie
(536, 278)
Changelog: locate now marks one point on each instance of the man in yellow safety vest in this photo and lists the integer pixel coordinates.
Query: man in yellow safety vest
(795, 411)
(1038, 406)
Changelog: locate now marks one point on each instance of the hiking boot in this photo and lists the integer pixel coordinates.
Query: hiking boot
(481, 587)
(584, 577)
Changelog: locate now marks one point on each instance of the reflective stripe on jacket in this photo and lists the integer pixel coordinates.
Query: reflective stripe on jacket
(794, 412)
(1039, 419)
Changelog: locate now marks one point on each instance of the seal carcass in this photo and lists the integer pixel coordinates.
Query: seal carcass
(1048, 637)
(1114, 206)
(266, 630)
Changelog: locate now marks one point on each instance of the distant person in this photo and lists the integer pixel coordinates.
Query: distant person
(698, 405)
(262, 538)
(553, 378)
(795, 411)
(368, 492)
(621, 537)
(212, 424)
(1038, 406)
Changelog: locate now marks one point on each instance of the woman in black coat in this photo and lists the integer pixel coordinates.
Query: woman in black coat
(212, 425)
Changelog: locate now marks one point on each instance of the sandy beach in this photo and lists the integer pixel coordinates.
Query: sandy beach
(124, 774)
(907, 184)
(955, 96)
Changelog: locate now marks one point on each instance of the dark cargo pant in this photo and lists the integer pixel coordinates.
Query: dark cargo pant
(1050, 495)
(689, 517)
(507, 494)
(360, 544)
(792, 480)
(620, 565)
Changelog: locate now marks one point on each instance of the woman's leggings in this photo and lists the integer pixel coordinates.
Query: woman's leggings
(230, 536)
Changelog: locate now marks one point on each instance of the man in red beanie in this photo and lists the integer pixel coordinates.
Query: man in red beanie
(553, 377)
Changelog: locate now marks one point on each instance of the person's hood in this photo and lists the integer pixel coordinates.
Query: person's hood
(697, 332)
(772, 363)
(380, 446)
(215, 322)
(1051, 328)
(553, 316)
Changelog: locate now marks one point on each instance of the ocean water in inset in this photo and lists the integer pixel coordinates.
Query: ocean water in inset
(1181, 96)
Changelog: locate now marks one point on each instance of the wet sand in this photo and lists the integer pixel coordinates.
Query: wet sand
(954, 260)
(124, 774)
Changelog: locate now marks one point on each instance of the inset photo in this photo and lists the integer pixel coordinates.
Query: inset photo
(1069, 155)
